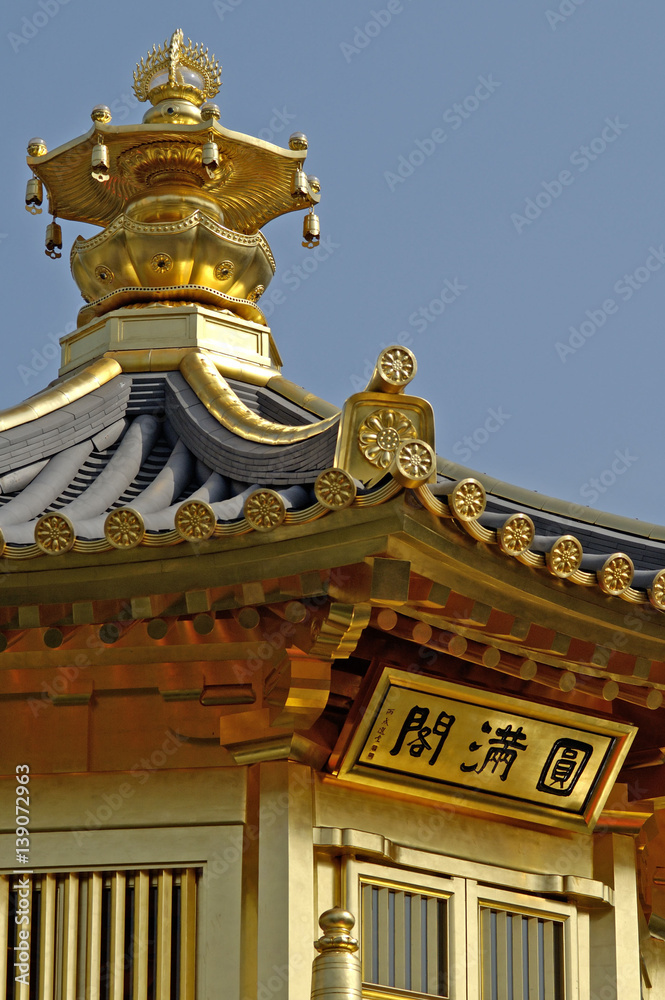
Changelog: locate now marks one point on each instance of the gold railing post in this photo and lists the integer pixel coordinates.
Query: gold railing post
(336, 971)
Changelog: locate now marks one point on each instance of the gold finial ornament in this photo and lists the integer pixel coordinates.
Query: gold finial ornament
(177, 71)
(298, 141)
(185, 194)
(53, 240)
(210, 112)
(101, 113)
(34, 195)
(336, 972)
(37, 147)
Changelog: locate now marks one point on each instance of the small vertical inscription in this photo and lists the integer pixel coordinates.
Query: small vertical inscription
(23, 913)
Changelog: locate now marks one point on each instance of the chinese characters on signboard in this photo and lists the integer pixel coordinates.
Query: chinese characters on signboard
(500, 749)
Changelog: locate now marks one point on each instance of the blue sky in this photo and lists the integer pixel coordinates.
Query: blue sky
(492, 196)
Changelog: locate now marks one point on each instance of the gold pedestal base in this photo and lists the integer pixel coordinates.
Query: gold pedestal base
(157, 329)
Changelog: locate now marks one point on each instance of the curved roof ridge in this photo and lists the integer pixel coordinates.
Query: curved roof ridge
(552, 505)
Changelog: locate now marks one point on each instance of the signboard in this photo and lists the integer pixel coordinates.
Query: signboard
(485, 750)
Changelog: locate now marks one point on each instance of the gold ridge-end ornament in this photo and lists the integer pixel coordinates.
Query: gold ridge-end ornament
(565, 557)
(335, 489)
(467, 499)
(415, 463)
(124, 528)
(195, 520)
(265, 510)
(395, 367)
(54, 534)
(616, 574)
(516, 534)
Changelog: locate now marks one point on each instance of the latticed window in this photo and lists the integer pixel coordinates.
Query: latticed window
(522, 956)
(431, 935)
(404, 939)
(102, 935)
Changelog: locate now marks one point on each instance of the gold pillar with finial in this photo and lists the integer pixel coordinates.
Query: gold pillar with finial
(336, 971)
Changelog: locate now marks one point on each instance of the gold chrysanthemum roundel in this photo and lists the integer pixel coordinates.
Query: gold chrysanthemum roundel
(335, 489)
(124, 528)
(415, 462)
(382, 433)
(565, 556)
(616, 574)
(54, 534)
(397, 365)
(468, 499)
(265, 510)
(657, 591)
(195, 520)
(516, 534)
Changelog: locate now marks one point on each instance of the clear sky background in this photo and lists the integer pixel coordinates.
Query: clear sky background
(492, 176)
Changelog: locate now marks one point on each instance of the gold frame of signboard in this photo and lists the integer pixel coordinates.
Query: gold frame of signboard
(435, 739)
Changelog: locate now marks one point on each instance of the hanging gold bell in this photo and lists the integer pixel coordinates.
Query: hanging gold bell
(53, 240)
(34, 196)
(299, 187)
(311, 231)
(100, 162)
(210, 155)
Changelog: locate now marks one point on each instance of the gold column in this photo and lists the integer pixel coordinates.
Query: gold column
(336, 971)
(615, 944)
(285, 880)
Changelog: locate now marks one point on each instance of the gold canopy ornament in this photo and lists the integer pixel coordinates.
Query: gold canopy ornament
(177, 72)
(180, 198)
